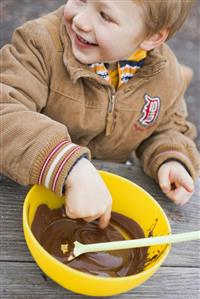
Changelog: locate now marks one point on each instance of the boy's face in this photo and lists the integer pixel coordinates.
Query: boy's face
(104, 30)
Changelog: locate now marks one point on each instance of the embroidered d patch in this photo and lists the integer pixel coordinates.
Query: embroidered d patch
(150, 110)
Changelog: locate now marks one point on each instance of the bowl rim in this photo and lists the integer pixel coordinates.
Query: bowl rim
(27, 229)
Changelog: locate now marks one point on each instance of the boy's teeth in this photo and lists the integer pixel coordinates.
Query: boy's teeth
(84, 41)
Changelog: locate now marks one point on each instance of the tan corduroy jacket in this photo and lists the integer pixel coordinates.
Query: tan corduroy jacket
(55, 110)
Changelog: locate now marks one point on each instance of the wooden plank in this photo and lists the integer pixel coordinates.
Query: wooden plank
(186, 218)
(166, 283)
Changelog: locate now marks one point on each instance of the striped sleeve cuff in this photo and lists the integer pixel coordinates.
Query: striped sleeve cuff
(51, 171)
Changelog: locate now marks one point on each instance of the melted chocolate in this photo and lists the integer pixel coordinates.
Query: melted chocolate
(53, 228)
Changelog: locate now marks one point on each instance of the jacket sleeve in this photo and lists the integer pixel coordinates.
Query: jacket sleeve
(173, 139)
(34, 149)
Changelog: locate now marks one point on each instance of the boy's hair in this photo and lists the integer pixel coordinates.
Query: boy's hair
(160, 14)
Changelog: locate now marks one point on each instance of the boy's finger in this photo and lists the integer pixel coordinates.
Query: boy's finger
(188, 184)
(164, 182)
(105, 218)
(68, 213)
(179, 196)
(90, 219)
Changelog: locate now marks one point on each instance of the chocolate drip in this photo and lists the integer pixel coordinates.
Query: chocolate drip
(53, 228)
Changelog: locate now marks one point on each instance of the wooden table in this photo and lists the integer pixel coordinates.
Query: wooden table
(20, 277)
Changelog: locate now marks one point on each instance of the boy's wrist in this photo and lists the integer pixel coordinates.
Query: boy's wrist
(151, 167)
(175, 160)
(78, 172)
(67, 182)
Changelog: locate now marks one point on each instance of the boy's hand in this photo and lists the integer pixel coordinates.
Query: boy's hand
(175, 182)
(87, 196)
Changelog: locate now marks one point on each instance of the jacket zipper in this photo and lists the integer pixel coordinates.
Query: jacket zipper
(110, 114)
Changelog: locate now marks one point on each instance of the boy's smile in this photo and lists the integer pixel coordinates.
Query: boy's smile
(104, 30)
(83, 42)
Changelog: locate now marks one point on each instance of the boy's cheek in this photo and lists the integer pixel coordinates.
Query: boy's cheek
(68, 11)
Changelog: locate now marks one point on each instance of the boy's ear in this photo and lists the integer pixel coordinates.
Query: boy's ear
(155, 40)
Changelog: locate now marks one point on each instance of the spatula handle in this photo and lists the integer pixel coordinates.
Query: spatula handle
(117, 245)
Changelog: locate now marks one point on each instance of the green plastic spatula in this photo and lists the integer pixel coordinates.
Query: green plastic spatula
(80, 248)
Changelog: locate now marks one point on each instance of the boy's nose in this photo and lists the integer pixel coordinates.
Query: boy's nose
(81, 22)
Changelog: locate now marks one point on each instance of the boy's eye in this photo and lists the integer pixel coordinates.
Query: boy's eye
(105, 17)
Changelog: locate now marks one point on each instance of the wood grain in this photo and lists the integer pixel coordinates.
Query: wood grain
(166, 283)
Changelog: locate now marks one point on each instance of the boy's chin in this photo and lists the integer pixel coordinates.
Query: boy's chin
(84, 59)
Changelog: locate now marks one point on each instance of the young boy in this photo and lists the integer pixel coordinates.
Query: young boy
(96, 77)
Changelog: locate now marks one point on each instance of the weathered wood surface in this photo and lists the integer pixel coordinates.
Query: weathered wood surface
(178, 277)
(30, 283)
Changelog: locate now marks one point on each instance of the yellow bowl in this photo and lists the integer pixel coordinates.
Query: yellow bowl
(128, 199)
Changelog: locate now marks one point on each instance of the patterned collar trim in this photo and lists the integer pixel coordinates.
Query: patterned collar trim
(126, 69)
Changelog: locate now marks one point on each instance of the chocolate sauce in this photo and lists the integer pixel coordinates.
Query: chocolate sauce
(53, 228)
